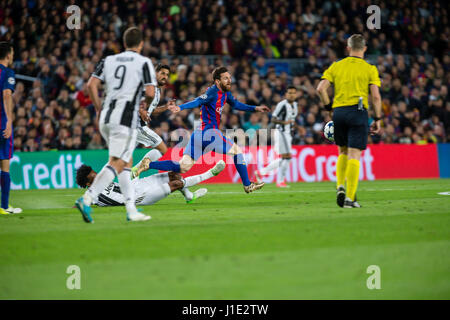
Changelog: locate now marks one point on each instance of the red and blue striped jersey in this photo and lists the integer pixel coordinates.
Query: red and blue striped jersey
(212, 103)
(7, 81)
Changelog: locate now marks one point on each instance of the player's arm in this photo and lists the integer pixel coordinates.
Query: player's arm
(276, 114)
(149, 79)
(8, 103)
(161, 109)
(322, 90)
(197, 102)
(93, 85)
(376, 102)
(235, 104)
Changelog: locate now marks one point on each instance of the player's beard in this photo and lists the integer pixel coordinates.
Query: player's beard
(225, 88)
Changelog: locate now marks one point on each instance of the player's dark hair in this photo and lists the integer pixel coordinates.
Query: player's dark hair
(291, 87)
(82, 175)
(217, 72)
(162, 66)
(132, 37)
(5, 49)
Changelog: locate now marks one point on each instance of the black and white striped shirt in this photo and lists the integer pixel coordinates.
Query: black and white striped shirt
(285, 111)
(125, 76)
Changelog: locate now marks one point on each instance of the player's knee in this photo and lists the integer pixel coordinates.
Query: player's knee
(186, 164)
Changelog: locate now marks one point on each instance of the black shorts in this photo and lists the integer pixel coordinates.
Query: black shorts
(351, 127)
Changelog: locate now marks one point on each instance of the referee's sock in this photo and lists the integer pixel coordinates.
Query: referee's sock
(165, 165)
(341, 167)
(241, 168)
(352, 175)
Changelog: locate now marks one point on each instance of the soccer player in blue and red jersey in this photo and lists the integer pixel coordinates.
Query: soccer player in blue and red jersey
(209, 137)
(7, 82)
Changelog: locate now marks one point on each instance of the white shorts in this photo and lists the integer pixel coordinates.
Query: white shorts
(151, 189)
(283, 142)
(147, 137)
(121, 140)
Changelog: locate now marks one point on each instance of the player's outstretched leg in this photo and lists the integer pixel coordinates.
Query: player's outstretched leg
(281, 178)
(264, 171)
(241, 168)
(143, 165)
(193, 180)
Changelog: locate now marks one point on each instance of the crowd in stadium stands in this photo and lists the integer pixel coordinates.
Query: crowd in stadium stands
(54, 111)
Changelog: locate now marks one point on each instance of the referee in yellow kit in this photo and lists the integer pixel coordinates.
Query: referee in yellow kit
(352, 78)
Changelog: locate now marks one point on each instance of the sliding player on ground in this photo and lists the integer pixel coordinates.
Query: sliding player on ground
(148, 190)
(352, 78)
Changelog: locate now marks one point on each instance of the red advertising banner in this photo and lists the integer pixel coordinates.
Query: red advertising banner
(318, 163)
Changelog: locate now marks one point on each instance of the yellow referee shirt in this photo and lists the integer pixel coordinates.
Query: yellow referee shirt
(351, 78)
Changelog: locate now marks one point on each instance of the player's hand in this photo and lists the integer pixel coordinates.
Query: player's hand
(262, 108)
(143, 113)
(173, 108)
(375, 127)
(8, 130)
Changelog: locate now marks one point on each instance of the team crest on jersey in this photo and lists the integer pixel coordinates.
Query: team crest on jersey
(11, 80)
(204, 96)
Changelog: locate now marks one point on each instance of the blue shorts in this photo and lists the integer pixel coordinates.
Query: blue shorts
(204, 141)
(6, 148)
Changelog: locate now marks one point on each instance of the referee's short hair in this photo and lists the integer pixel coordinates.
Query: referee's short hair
(132, 37)
(356, 42)
(5, 49)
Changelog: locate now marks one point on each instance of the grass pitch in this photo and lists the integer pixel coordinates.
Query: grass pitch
(273, 244)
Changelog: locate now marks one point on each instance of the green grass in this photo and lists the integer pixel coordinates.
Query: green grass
(273, 244)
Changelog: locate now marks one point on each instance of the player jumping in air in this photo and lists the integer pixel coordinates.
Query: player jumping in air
(284, 117)
(7, 82)
(208, 137)
(148, 190)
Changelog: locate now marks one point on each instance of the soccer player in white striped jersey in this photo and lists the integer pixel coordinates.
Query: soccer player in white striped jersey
(148, 190)
(124, 75)
(283, 117)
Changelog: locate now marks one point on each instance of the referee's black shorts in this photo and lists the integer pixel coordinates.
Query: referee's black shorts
(351, 127)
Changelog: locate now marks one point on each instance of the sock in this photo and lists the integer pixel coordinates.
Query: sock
(6, 186)
(192, 181)
(153, 155)
(188, 195)
(273, 165)
(101, 181)
(165, 165)
(239, 163)
(127, 190)
(284, 166)
(341, 167)
(352, 175)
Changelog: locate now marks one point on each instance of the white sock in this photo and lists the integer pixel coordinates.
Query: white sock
(127, 189)
(153, 155)
(273, 165)
(101, 181)
(188, 195)
(193, 180)
(283, 170)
